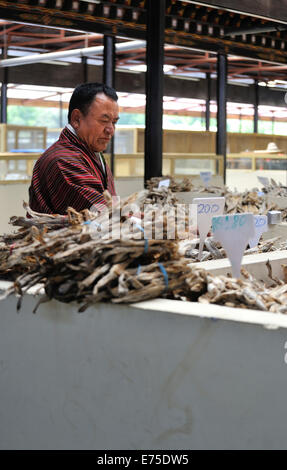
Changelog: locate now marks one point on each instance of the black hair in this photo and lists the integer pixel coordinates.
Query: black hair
(84, 94)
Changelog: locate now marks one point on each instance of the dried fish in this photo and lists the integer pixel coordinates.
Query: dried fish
(75, 260)
(174, 184)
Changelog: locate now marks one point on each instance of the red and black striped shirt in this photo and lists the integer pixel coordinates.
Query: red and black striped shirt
(68, 174)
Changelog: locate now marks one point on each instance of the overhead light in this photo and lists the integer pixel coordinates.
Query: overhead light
(138, 68)
(168, 68)
(143, 68)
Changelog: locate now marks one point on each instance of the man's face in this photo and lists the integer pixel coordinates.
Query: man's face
(98, 126)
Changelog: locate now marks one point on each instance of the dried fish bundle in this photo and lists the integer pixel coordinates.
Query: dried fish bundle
(213, 250)
(77, 259)
(80, 261)
(216, 190)
(174, 184)
(162, 195)
(245, 293)
(152, 209)
(235, 202)
(275, 189)
(124, 271)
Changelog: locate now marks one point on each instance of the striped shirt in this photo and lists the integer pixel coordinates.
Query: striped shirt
(69, 174)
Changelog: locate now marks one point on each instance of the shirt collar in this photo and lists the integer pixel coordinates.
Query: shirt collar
(71, 129)
(97, 154)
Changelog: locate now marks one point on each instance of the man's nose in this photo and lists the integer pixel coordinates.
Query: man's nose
(110, 129)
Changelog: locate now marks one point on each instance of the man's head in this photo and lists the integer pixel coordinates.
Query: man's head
(93, 113)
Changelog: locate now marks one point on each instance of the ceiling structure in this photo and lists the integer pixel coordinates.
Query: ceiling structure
(187, 23)
(194, 33)
(257, 47)
(274, 9)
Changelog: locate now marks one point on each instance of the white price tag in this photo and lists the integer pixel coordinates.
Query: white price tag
(165, 183)
(234, 232)
(205, 177)
(207, 207)
(136, 220)
(260, 226)
(263, 180)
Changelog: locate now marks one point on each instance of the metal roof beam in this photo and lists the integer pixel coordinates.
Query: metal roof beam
(85, 52)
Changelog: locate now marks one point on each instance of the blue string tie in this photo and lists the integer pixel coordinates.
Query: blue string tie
(165, 275)
(92, 223)
(145, 239)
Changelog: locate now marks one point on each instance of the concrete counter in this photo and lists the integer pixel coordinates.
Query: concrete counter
(156, 375)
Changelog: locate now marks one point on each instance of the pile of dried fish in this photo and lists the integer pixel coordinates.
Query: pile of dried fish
(246, 293)
(93, 257)
(174, 184)
(162, 195)
(185, 185)
(235, 202)
(213, 250)
(275, 189)
(75, 268)
(249, 201)
(76, 260)
(135, 204)
(212, 189)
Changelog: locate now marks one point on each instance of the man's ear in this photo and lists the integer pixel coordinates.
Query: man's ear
(76, 118)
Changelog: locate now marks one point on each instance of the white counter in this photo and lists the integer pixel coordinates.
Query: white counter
(156, 375)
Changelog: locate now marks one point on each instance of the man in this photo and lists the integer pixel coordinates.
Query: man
(72, 172)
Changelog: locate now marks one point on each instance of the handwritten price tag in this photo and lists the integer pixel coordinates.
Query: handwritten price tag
(165, 183)
(205, 177)
(207, 207)
(260, 226)
(234, 232)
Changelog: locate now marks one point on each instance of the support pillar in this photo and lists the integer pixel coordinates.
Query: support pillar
(154, 88)
(256, 104)
(221, 108)
(85, 69)
(207, 102)
(109, 79)
(3, 117)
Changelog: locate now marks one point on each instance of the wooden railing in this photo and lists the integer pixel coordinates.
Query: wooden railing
(256, 161)
(174, 164)
(21, 170)
(126, 165)
(18, 167)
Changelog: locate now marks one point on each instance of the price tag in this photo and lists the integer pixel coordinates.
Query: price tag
(260, 226)
(165, 183)
(136, 220)
(234, 232)
(205, 177)
(207, 207)
(263, 180)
